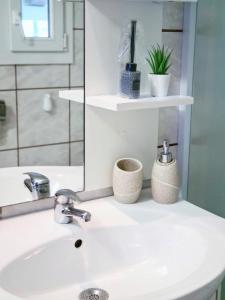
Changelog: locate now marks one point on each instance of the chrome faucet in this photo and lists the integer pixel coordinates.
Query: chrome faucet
(38, 185)
(64, 207)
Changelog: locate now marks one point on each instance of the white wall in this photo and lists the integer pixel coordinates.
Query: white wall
(110, 135)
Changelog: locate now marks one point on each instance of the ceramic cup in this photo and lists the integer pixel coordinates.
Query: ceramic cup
(127, 180)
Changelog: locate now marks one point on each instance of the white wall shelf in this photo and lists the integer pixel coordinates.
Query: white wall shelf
(117, 103)
(187, 1)
(76, 95)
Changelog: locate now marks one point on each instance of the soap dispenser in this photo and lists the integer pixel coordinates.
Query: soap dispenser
(165, 179)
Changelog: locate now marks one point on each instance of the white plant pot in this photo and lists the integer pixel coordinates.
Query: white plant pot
(159, 84)
(127, 180)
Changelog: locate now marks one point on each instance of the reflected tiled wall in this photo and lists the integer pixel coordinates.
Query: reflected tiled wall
(172, 34)
(31, 136)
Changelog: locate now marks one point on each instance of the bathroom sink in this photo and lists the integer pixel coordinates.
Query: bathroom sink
(143, 251)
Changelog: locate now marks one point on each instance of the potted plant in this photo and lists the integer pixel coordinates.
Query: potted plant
(159, 63)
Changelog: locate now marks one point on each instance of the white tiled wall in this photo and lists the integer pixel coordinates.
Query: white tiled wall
(172, 15)
(77, 70)
(79, 12)
(8, 129)
(38, 127)
(31, 136)
(77, 149)
(45, 155)
(7, 78)
(8, 158)
(42, 76)
(76, 121)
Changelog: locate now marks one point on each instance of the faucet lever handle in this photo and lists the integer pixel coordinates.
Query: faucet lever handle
(68, 194)
(38, 185)
(37, 178)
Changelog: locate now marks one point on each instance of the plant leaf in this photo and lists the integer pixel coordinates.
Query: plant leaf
(159, 59)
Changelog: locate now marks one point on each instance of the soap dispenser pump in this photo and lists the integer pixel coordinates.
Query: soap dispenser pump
(165, 179)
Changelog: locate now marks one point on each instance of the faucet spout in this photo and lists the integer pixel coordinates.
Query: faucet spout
(83, 214)
(38, 185)
(27, 183)
(64, 207)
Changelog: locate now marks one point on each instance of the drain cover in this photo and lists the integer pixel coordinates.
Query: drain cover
(94, 294)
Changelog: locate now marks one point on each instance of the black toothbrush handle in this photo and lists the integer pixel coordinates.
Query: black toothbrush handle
(132, 40)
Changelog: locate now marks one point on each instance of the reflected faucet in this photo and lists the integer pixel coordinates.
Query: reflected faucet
(2, 110)
(64, 207)
(38, 185)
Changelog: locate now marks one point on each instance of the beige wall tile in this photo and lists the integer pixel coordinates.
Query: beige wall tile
(8, 128)
(7, 77)
(42, 76)
(79, 15)
(8, 158)
(77, 68)
(54, 155)
(168, 124)
(76, 121)
(77, 154)
(38, 127)
(172, 15)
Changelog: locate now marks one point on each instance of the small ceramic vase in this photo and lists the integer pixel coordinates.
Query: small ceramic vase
(127, 180)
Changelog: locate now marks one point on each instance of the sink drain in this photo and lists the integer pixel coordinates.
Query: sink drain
(94, 294)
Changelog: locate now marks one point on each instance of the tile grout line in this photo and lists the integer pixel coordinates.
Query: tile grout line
(42, 145)
(63, 143)
(69, 118)
(43, 88)
(17, 117)
(84, 105)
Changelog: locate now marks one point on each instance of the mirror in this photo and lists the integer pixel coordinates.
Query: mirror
(40, 131)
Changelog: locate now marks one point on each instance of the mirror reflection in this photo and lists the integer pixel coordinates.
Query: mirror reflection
(41, 133)
(35, 17)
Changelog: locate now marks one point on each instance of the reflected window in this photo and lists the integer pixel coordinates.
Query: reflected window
(35, 18)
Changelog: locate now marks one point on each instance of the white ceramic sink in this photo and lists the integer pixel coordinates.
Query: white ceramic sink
(144, 251)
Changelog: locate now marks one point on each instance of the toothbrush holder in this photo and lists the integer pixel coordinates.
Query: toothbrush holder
(127, 180)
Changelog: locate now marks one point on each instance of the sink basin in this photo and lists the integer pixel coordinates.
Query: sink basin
(140, 252)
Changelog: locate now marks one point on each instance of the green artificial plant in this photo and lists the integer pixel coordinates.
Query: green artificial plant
(159, 60)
